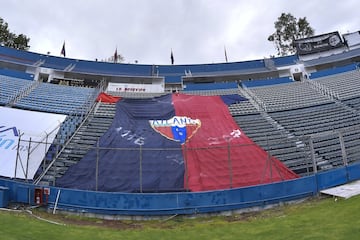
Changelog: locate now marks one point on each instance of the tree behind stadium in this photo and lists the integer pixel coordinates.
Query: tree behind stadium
(287, 30)
(12, 40)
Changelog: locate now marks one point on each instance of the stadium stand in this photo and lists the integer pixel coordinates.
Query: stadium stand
(281, 140)
(353, 103)
(47, 97)
(276, 141)
(288, 96)
(67, 129)
(344, 82)
(298, 127)
(317, 119)
(242, 108)
(80, 140)
(11, 88)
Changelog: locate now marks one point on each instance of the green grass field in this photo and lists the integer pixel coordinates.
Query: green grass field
(312, 219)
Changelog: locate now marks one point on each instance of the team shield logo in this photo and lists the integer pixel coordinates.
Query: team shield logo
(177, 128)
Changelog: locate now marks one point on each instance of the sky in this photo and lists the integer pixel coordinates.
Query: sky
(146, 31)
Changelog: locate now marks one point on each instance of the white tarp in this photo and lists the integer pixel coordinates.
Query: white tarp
(345, 191)
(22, 160)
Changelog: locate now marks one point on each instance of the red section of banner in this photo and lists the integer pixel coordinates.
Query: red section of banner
(220, 155)
(106, 98)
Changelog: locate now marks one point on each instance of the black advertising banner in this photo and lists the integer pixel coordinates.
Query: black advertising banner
(319, 43)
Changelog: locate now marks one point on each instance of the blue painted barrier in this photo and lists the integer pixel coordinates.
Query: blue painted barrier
(151, 204)
(4, 196)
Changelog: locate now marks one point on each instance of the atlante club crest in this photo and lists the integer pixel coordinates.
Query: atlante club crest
(177, 128)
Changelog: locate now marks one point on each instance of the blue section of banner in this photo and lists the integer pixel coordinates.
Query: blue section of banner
(179, 133)
(141, 158)
(232, 98)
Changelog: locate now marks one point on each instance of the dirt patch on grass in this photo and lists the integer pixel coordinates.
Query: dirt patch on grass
(168, 223)
(73, 220)
(246, 216)
(114, 224)
(164, 223)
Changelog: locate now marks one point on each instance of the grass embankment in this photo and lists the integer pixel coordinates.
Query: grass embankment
(313, 219)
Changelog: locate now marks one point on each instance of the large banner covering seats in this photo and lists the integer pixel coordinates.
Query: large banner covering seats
(174, 142)
(25, 137)
(220, 155)
(162, 169)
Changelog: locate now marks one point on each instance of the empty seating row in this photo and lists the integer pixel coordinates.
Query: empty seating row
(322, 123)
(353, 103)
(346, 84)
(242, 108)
(288, 96)
(11, 87)
(58, 99)
(316, 119)
(276, 141)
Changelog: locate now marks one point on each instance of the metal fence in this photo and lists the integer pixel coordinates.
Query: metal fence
(312, 154)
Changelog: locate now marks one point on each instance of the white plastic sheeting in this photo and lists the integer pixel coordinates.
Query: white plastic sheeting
(36, 131)
(344, 191)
